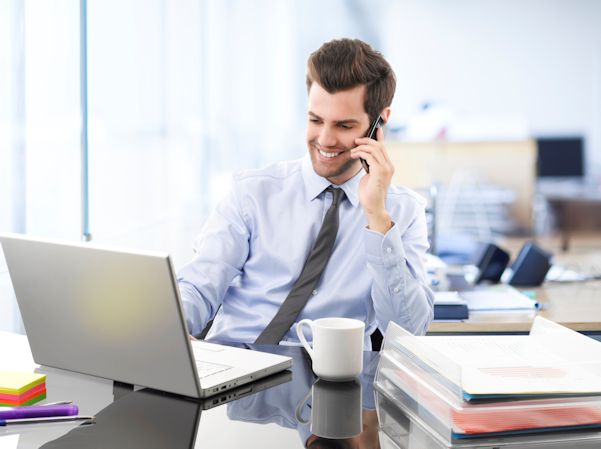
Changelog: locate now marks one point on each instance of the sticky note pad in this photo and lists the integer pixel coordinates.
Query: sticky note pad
(18, 383)
(20, 388)
(31, 396)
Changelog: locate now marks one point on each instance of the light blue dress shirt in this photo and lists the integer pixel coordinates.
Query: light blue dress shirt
(252, 248)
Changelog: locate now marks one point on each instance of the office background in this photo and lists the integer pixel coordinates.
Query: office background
(180, 93)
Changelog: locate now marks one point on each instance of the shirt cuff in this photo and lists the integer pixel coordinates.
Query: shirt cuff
(192, 313)
(384, 250)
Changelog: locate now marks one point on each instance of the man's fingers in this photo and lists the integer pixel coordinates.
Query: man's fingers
(364, 150)
(384, 151)
(380, 134)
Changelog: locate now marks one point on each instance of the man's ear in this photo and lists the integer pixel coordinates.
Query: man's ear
(385, 114)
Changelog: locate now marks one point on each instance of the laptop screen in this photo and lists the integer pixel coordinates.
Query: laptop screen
(93, 310)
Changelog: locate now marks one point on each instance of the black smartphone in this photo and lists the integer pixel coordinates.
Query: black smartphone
(371, 133)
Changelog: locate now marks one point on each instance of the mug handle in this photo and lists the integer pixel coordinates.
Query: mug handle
(300, 406)
(301, 335)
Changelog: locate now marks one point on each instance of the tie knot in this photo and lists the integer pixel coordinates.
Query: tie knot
(337, 193)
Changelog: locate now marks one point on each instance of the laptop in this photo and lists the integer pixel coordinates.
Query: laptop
(117, 314)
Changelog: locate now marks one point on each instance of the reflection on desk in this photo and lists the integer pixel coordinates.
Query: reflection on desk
(280, 405)
(143, 418)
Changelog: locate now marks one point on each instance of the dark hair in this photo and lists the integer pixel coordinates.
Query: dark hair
(342, 64)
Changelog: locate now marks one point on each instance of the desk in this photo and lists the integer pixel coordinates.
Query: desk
(148, 419)
(576, 306)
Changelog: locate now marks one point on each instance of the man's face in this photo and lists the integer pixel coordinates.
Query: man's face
(335, 121)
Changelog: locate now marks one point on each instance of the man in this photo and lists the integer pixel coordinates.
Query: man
(253, 247)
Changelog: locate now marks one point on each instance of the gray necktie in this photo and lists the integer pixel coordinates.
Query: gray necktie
(310, 274)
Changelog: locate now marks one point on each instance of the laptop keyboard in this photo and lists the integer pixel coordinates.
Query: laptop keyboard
(207, 368)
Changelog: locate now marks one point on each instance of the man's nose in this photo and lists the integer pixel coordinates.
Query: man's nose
(327, 137)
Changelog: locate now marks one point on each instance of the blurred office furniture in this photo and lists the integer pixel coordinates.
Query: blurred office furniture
(560, 157)
(478, 181)
(571, 300)
(481, 209)
(573, 305)
(575, 211)
(570, 201)
(432, 219)
(430, 194)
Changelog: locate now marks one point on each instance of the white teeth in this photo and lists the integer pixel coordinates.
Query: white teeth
(324, 154)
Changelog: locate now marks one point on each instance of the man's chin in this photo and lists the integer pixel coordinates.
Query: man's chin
(345, 170)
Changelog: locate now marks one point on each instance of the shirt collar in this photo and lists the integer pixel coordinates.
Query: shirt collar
(315, 184)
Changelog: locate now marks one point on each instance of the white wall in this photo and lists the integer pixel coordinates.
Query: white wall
(536, 59)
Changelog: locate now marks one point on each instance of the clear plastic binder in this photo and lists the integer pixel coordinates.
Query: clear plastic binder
(494, 386)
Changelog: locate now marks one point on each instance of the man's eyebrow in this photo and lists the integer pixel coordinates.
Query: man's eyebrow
(348, 121)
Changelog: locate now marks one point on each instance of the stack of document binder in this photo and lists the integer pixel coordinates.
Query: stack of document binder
(463, 388)
(398, 430)
(19, 388)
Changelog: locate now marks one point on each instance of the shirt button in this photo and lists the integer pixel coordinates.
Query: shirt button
(396, 289)
(389, 250)
(314, 292)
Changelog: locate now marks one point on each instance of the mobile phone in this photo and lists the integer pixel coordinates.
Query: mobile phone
(371, 133)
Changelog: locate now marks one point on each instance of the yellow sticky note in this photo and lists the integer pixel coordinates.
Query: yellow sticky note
(16, 383)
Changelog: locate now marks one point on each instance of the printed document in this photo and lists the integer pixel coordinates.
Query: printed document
(509, 365)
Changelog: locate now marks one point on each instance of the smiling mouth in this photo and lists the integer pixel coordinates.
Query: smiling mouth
(329, 154)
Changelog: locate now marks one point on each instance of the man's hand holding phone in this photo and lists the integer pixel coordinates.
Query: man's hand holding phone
(373, 187)
(371, 133)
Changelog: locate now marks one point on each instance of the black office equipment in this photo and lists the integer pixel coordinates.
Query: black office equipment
(560, 157)
(530, 266)
(451, 312)
(491, 262)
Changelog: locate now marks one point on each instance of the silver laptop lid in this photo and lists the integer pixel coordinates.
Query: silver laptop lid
(98, 311)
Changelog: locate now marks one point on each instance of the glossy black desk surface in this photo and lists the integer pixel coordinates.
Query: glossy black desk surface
(263, 416)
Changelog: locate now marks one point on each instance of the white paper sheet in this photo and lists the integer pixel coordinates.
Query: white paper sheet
(9, 441)
(497, 299)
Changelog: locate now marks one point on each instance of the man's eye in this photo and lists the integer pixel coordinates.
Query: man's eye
(314, 120)
(345, 126)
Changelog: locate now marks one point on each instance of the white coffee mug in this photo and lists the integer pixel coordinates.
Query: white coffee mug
(337, 351)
